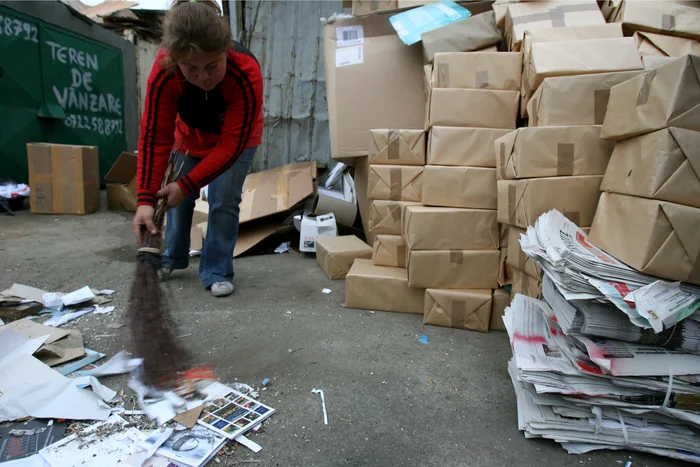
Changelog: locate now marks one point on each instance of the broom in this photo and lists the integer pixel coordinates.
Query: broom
(150, 322)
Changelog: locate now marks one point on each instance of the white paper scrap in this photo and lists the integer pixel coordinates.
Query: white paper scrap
(249, 443)
(14, 344)
(105, 292)
(61, 319)
(323, 404)
(152, 443)
(101, 310)
(119, 364)
(326, 291)
(79, 296)
(32, 461)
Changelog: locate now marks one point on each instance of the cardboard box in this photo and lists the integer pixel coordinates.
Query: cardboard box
(63, 179)
(574, 100)
(460, 187)
(478, 70)
(516, 258)
(667, 17)
(663, 45)
(525, 285)
(313, 227)
(375, 83)
(474, 33)
(455, 107)
(553, 151)
(371, 287)
(361, 178)
(666, 97)
(395, 182)
(330, 201)
(652, 236)
(501, 300)
(455, 146)
(453, 269)
(121, 183)
(385, 217)
(530, 16)
(335, 255)
(428, 228)
(461, 309)
(581, 57)
(390, 251)
(397, 147)
(521, 202)
(663, 165)
(196, 238)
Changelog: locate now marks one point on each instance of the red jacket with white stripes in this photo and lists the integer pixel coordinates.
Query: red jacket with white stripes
(215, 126)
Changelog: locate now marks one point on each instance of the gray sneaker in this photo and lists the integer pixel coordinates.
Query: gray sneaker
(164, 274)
(222, 289)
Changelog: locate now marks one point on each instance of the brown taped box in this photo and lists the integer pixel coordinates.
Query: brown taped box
(666, 97)
(438, 228)
(505, 270)
(663, 45)
(478, 70)
(530, 16)
(335, 255)
(386, 217)
(574, 100)
(516, 258)
(121, 183)
(371, 287)
(521, 202)
(461, 309)
(453, 269)
(477, 32)
(504, 228)
(455, 146)
(526, 285)
(554, 151)
(455, 107)
(397, 147)
(663, 165)
(663, 17)
(64, 179)
(652, 236)
(581, 57)
(460, 187)
(395, 182)
(501, 300)
(390, 251)
(385, 90)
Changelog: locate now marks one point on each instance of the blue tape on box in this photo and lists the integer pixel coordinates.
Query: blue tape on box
(409, 25)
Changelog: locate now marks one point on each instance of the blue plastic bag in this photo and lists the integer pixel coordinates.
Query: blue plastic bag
(410, 24)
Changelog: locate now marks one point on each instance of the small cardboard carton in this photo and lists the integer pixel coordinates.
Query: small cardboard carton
(461, 309)
(64, 179)
(670, 18)
(471, 147)
(652, 236)
(335, 255)
(554, 151)
(397, 147)
(455, 107)
(474, 33)
(478, 70)
(121, 183)
(395, 182)
(453, 269)
(526, 285)
(313, 227)
(371, 287)
(666, 97)
(390, 251)
(574, 100)
(460, 187)
(663, 165)
(516, 258)
(521, 202)
(436, 228)
(663, 45)
(501, 300)
(386, 217)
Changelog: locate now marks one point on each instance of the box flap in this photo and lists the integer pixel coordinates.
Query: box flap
(123, 170)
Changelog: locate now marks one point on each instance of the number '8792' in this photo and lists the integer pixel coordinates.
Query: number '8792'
(14, 27)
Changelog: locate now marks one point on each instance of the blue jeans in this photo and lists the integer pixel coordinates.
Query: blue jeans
(216, 263)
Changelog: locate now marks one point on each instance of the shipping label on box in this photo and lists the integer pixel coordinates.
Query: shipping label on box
(397, 147)
(478, 70)
(666, 97)
(314, 227)
(663, 165)
(461, 309)
(525, 285)
(385, 217)
(455, 107)
(521, 202)
(335, 255)
(501, 300)
(474, 33)
(652, 236)
(516, 258)
(552, 152)
(574, 100)
(455, 146)
(390, 251)
(371, 287)
(668, 18)
(395, 183)
(460, 187)
(665, 46)
(453, 269)
(438, 228)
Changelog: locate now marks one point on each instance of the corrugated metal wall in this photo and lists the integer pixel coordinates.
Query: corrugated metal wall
(286, 37)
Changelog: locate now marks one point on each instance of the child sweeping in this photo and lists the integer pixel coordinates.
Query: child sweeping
(204, 96)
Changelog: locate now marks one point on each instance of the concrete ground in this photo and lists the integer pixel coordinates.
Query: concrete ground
(391, 400)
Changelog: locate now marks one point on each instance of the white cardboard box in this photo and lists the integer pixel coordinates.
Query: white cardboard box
(314, 227)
